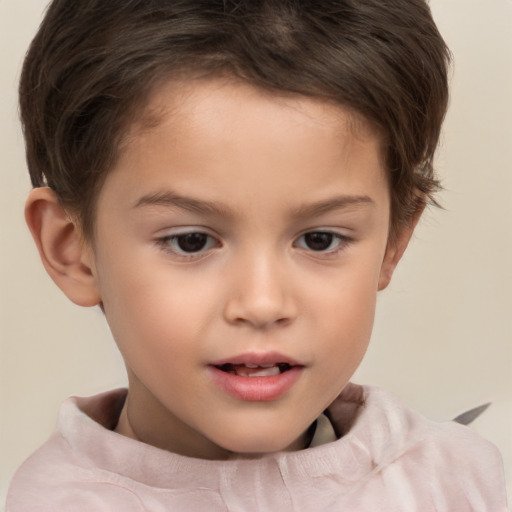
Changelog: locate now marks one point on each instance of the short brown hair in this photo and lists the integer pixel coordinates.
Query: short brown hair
(93, 63)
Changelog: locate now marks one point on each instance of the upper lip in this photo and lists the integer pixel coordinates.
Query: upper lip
(257, 358)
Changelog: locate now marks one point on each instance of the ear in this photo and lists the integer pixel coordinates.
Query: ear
(396, 248)
(65, 256)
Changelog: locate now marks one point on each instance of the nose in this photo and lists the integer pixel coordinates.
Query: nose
(260, 294)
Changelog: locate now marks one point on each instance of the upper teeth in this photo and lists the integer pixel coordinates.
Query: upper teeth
(257, 371)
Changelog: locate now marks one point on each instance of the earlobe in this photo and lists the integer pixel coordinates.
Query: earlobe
(66, 258)
(396, 248)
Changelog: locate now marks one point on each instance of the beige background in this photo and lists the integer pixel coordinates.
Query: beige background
(443, 333)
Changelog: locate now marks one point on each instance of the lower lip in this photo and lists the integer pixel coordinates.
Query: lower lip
(256, 389)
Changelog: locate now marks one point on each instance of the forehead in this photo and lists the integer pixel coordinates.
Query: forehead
(208, 134)
(175, 99)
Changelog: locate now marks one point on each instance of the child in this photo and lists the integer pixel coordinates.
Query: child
(232, 183)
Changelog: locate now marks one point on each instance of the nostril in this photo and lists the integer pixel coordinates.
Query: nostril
(260, 306)
(258, 317)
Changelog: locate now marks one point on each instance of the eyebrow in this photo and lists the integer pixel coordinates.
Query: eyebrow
(169, 199)
(335, 203)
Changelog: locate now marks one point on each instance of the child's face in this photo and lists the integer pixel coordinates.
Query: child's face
(242, 230)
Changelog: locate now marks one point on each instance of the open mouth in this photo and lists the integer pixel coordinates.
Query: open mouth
(256, 377)
(253, 370)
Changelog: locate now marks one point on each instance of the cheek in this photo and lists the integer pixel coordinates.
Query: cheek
(346, 336)
(348, 324)
(345, 306)
(151, 312)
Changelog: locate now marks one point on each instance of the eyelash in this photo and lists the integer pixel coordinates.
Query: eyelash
(342, 242)
(168, 244)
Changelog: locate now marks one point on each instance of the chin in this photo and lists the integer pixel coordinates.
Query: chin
(247, 447)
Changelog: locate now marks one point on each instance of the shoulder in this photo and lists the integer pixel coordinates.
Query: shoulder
(38, 487)
(59, 476)
(408, 429)
(446, 464)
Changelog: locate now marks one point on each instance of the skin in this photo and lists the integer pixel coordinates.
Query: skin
(255, 179)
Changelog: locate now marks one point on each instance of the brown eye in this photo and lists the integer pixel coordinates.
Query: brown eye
(318, 241)
(191, 242)
(326, 243)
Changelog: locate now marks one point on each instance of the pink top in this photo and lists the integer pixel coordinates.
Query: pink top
(388, 459)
